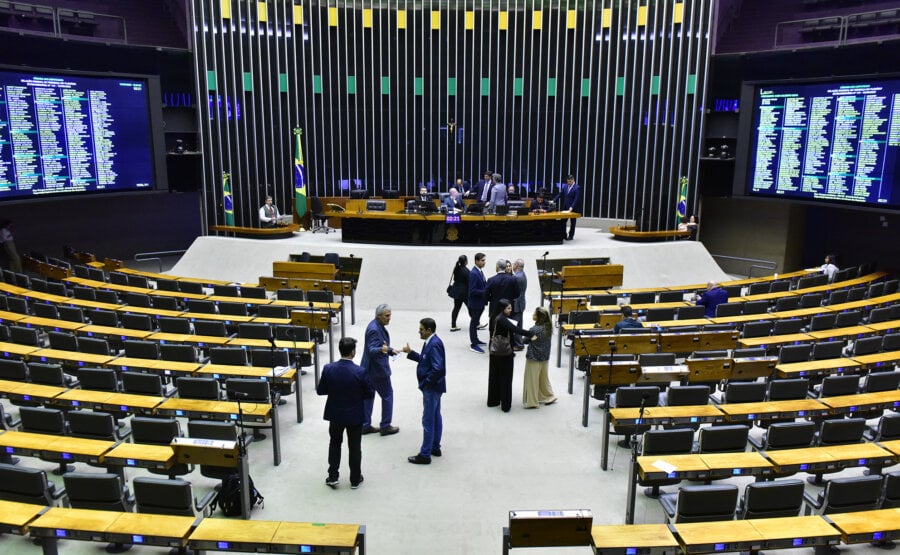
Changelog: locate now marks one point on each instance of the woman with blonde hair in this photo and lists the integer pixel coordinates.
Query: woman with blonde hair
(536, 389)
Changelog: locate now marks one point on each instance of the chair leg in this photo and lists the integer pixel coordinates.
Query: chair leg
(63, 468)
(816, 480)
(117, 547)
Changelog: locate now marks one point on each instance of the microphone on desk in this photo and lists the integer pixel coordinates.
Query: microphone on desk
(545, 254)
(239, 395)
(272, 340)
(290, 332)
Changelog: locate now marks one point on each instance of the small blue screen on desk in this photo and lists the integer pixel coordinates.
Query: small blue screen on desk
(305, 549)
(137, 539)
(631, 551)
(798, 542)
(719, 547)
(60, 533)
(453, 219)
(222, 545)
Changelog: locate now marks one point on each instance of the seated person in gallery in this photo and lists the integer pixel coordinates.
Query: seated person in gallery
(268, 214)
(689, 224)
(628, 320)
(454, 202)
(512, 193)
(540, 205)
(711, 298)
(829, 268)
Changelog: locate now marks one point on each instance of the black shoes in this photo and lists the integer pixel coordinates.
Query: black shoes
(390, 430)
(419, 459)
(355, 485)
(332, 482)
(369, 430)
(436, 452)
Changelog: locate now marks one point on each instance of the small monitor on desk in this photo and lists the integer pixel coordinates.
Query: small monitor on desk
(426, 206)
(376, 206)
(390, 193)
(501, 210)
(475, 208)
(359, 193)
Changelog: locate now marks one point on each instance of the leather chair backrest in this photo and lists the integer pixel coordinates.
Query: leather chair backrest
(706, 503)
(724, 439)
(101, 492)
(781, 498)
(790, 435)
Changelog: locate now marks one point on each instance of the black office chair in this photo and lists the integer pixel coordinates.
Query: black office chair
(729, 309)
(821, 322)
(159, 431)
(255, 331)
(780, 286)
(225, 290)
(631, 397)
(811, 300)
(84, 293)
(891, 342)
(166, 284)
(70, 314)
(201, 306)
(28, 485)
(756, 307)
(99, 492)
(174, 325)
(98, 379)
(848, 318)
(794, 353)
(759, 288)
(44, 310)
(827, 349)
(316, 296)
(790, 389)
(142, 349)
(787, 326)
(756, 329)
(93, 345)
(170, 497)
(878, 315)
(723, 439)
(783, 304)
(744, 392)
(891, 495)
(137, 281)
(13, 370)
(781, 498)
(839, 385)
(50, 374)
(41, 420)
(233, 309)
(225, 431)
(178, 353)
(137, 299)
(785, 435)
(603, 300)
(865, 346)
(106, 296)
(660, 314)
(845, 495)
(881, 381)
(250, 292)
(141, 322)
(289, 295)
(661, 443)
(25, 336)
(100, 317)
(254, 391)
(319, 220)
(273, 311)
(645, 297)
(164, 303)
(96, 425)
(191, 287)
(875, 290)
(690, 312)
(228, 355)
(837, 297)
(837, 431)
(144, 384)
(198, 388)
(700, 504)
(212, 328)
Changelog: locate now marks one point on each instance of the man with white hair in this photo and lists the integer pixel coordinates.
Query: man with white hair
(454, 202)
(711, 298)
(377, 351)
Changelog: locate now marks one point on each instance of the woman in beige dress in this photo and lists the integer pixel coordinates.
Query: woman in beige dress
(537, 390)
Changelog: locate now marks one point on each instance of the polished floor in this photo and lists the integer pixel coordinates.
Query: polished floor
(492, 462)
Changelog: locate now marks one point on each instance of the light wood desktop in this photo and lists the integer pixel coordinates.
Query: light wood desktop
(816, 367)
(11, 317)
(775, 340)
(852, 332)
(884, 326)
(14, 516)
(742, 412)
(657, 467)
(218, 371)
(281, 537)
(795, 531)
(878, 360)
(709, 537)
(189, 338)
(52, 324)
(152, 312)
(112, 526)
(140, 455)
(221, 410)
(668, 415)
(8, 348)
(868, 526)
(653, 539)
(71, 357)
(722, 465)
(862, 401)
(228, 318)
(22, 391)
(110, 331)
(164, 367)
(676, 323)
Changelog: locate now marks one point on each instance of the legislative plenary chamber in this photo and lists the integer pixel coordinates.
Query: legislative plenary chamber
(222, 219)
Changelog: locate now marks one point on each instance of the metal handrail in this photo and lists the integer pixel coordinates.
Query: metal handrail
(147, 256)
(755, 262)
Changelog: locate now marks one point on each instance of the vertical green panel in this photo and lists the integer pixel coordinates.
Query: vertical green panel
(419, 86)
(551, 86)
(317, 84)
(620, 86)
(248, 81)
(451, 86)
(385, 84)
(211, 80)
(282, 82)
(654, 84)
(518, 86)
(585, 87)
(351, 84)
(485, 86)
(692, 83)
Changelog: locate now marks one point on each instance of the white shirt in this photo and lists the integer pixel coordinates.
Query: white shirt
(829, 270)
(266, 210)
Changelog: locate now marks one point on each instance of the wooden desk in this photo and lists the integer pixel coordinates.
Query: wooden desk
(69, 358)
(817, 367)
(658, 467)
(14, 517)
(743, 318)
(842, 404)
(809, 459)
(189, 338)
(94, 284)
(794, 531)
(753, 367)
(865, 303)
(651, 539)
(140, 455)
(50, 324)
(711, 537)
(859, 454)
(152, 312)
(222, 371)
(7, 317)
(163, 367)
(766, 296)
(709, 369)
(893, 446)
(227, 318)
(878, 360)
(26, 391)
(673, 323)
(867, 526)
(110, 526)
(886, 327)
(14, 350)
(82, 398)
(593, 345)
(45, 445)
(107, 332)
(280, 344)
(242, 300)
(25, 443)
(697, 341)
(724, 465)
(125, 402)
(664, 416)
(221, 534)
(775, 340)
(852, 332)
(769, 410)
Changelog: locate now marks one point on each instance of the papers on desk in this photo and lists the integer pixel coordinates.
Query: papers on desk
(280, 370)
(664, 466)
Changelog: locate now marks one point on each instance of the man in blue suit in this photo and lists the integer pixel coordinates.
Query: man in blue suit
(347, 388)
(431, 371)
(453, 202)
(569, 200)
(376, 362)
(475, 302)
(482, 189)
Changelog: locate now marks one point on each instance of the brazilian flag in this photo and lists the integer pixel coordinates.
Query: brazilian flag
(681, 207)
(226, 199)
(299, 177)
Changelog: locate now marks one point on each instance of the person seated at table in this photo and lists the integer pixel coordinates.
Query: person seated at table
(689, 224)
(628, 320)
(268, 214)
(829, 267)
(454, 202)
(423, 195)
(711, 298)
(540, 205)
(512, 193)
(463, 187)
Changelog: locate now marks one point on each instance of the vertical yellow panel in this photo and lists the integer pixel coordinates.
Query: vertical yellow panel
(678, 14)
(298, 15)
(332, 17)
(401, 19)
(606, 18)
(537, 20)
(367, 17)
(470, 21)
(435, 20)
(503, 21)
(261, 12)
(226, 9)
(642, 15)
(571, 19)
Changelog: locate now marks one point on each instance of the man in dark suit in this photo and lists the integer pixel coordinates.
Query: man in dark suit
(569, 200)
(376, 362)
(347, 388)
(475, 302)
(464, 187)
(482, 190)
(501, 286)
(431, 371)
(453, 202)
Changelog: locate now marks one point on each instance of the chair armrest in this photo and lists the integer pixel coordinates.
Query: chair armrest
(202, 506)
(123, 433)
(59, 493)
(71, 383)
(668, 502)
(755, 443)
(11, 423)
(811, 503)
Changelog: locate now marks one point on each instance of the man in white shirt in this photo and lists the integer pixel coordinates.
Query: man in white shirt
(268, 214)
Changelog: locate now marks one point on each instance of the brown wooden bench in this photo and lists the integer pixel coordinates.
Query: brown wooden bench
(591, 276)
(308, 270)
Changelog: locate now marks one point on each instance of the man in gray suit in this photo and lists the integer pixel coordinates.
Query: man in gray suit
(518, 309)
(497, 196)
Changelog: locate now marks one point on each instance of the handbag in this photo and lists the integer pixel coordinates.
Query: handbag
(500, 345)
(450, 287)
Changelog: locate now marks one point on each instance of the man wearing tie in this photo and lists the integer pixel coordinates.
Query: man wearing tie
(431, 371)
(483, 188)
(568, 199)
(475, 302)
(268, 214)
(376, 362)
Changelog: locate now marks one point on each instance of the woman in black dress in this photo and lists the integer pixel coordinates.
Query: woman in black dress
(459, 289)
(500, 373)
